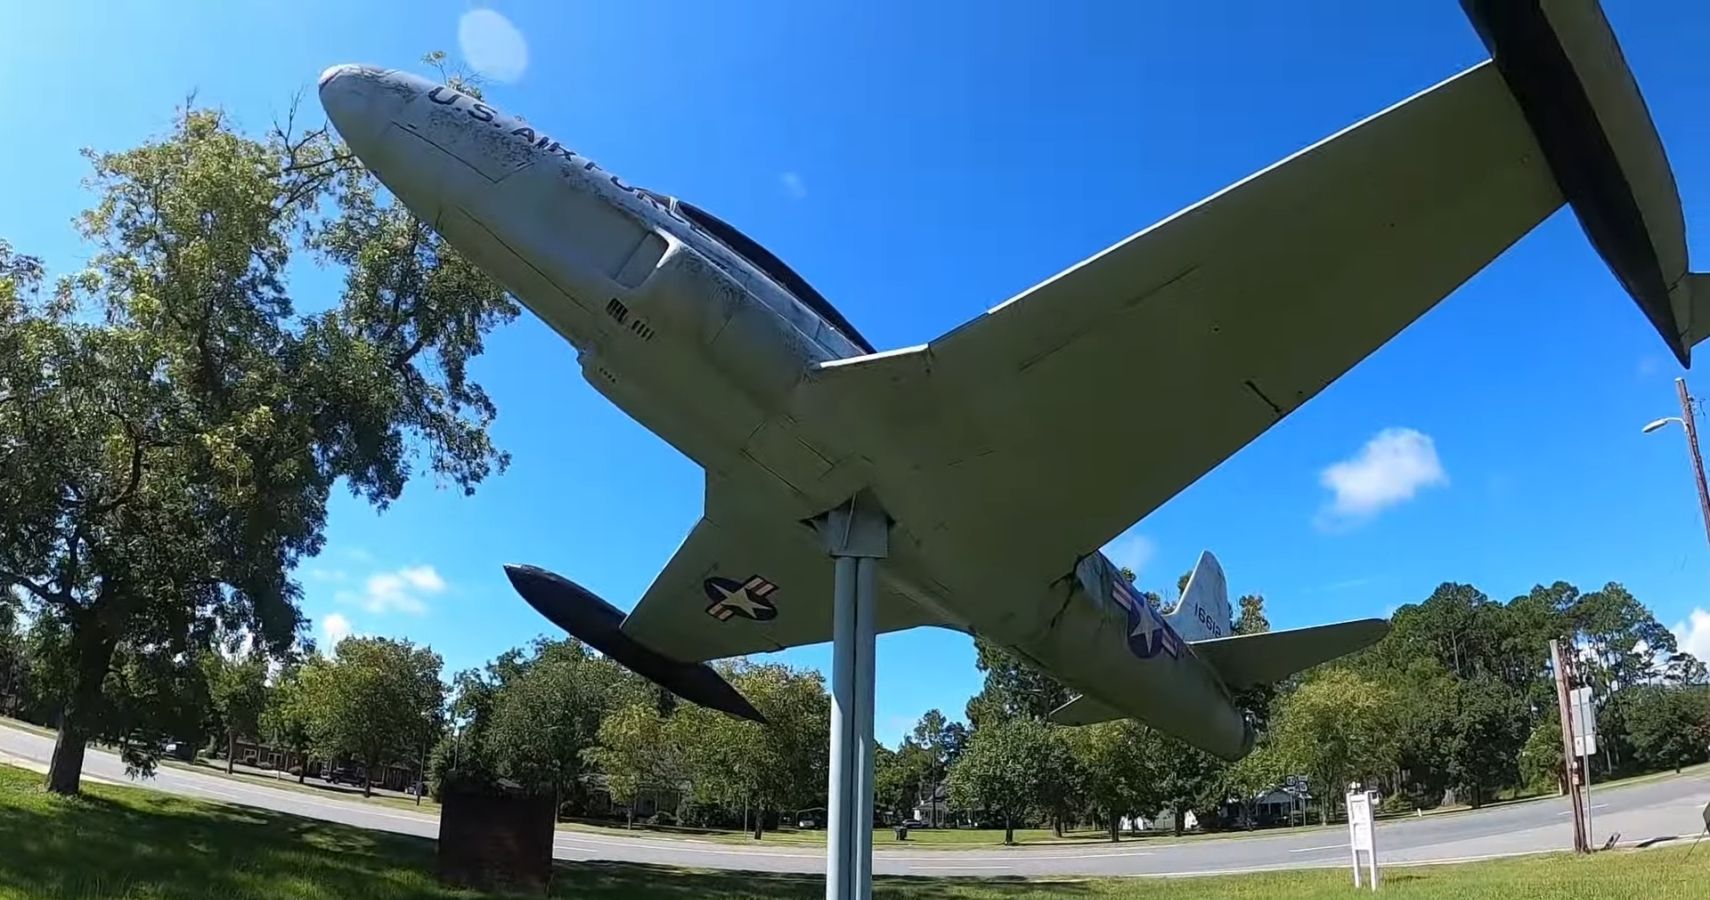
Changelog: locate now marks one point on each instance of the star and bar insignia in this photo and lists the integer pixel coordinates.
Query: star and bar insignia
(746, 598)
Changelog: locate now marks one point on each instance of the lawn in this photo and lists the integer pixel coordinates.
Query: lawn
(883, 838)
(311, 785)
(137, 844)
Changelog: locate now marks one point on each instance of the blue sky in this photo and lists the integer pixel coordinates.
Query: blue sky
(919, 163)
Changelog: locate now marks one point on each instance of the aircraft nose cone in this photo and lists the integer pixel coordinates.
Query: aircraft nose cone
(333, 72)
(361, 102)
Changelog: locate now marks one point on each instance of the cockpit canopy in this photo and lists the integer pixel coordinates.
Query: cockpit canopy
(761, 258)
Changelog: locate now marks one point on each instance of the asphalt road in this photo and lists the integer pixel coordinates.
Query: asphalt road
(1638, 812)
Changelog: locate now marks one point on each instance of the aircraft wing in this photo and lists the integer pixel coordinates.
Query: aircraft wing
(1247, 659)
(736, 587)
(1041, 430)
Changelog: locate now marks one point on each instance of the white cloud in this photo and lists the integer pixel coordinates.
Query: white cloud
(491, 45)
(336, 628)
(1693, 635)
(793, 185)
(328, 576)
(1649, 365)
(1131, 551)
(398, 591)
(1392, 467)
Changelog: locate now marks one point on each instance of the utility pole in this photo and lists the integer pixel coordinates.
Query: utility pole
(1691, 422)
(1570, 761)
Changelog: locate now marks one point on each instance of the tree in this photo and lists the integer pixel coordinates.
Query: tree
(1337, 726)
(237, 693)
(894, 786)
(1256, 774)
(1541, 757)
(901, 777)
(634, 752)
(544, 720)
(941, 741)
(547, 716)
(1119, 776)
(780, 765)
(287, 717)
(1484, 736)
(1004, 770)
(1684, 668)
(1251, 619)
(1013, 689)
(1189, 779)
(1669, 727)
(13, 663)
(376, 701)
(174, 429)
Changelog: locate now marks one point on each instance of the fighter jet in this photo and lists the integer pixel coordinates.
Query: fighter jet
(1006, 452)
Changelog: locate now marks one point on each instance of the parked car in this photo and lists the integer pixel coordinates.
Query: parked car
(913, 823)
(345, 775)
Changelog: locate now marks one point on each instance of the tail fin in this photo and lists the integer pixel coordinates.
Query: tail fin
(1203, 612)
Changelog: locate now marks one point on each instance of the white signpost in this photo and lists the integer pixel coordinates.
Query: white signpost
(1584, 717)
(1584, 722)
(1362, 831)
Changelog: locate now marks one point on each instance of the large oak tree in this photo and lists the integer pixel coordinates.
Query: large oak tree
(171, 426)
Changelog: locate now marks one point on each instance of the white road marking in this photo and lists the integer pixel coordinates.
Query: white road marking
(965, 868)
(1594, 808)
(1315, 849)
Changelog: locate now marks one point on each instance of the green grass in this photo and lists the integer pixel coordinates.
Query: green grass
(312, 786)
(925, 838)
(131, 843)
(22, 725)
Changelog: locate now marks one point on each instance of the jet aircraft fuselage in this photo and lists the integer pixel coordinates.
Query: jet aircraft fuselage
(702, 336)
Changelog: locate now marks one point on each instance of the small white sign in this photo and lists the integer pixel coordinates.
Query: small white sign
(1584, 722)
(1362, 831)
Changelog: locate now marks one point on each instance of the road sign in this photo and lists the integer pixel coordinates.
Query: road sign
(1362, 831)
(1584, 722)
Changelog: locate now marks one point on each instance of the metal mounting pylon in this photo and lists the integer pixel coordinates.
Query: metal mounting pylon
(857, 536)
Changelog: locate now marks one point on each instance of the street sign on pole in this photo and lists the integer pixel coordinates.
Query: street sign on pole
(1584, 743)
(1584, 722)
(1561, 662)
(1362, 831)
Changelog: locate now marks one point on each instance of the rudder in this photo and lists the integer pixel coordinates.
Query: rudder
(1203, 612)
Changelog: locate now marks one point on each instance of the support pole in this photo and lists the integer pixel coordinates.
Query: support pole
(1690, 422)
(866, 579)
(856, 536)
(1558, 660)
(840, 852)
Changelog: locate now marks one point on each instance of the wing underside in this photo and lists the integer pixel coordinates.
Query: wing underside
(739, 586)
(1099, 394)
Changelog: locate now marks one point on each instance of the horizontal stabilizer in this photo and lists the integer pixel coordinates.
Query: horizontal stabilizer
(1249, 659)
(1084, 710)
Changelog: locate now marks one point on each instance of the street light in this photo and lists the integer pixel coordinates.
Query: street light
(1689, 424)
(1661, 422)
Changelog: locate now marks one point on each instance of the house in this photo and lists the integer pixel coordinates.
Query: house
(932, 807)
(1163, 821)
(649, 801)
(260, 755)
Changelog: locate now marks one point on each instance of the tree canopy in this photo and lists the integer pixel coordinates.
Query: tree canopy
(174, 427)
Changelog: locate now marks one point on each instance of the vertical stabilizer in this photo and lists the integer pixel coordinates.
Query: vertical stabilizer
(1203, 613)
